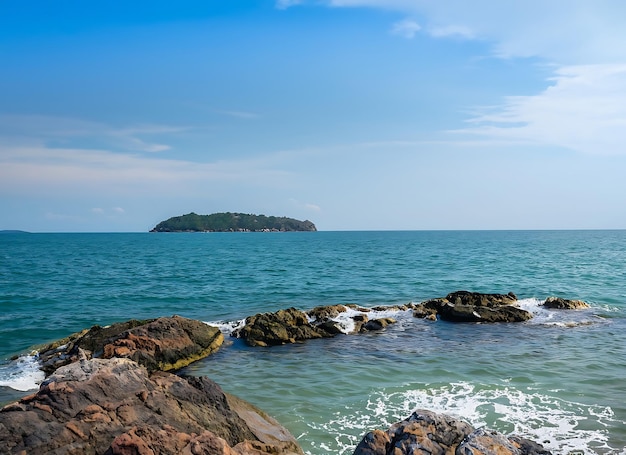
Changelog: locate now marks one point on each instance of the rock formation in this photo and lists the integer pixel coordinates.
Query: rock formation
(284, 326)
(464, 306)
(108, 389)
(115, 406)
(559, 303)
(292, 325)
(428, 433)
(158, 344)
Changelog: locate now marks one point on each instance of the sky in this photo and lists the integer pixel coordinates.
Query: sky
(354, 114)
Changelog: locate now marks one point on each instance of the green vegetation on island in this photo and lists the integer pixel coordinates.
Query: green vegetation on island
(232, 222)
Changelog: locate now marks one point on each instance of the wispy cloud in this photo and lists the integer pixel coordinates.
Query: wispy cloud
(308, 206)
(565, 31)
(584, 110)
(40, 169)
(406, 28)
(65, 131)
(452, 31)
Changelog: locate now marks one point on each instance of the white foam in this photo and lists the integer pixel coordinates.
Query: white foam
(558, 318)
(227, 327)
(346, 318)
(22, 374)
(560, 426)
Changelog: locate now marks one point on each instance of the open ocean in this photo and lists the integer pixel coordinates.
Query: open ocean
(559, 378)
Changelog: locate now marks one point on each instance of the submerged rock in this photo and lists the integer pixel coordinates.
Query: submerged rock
(115, 406)
(564, 304)
(376, 324)
(464, 306)
(325, 313)
(428, 433)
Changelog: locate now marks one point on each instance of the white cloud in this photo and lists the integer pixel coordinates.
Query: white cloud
(37, 169)
(564, 31)
(15, 128)
(406, 28)
(583, 107)
(454, 31)
(584, 110)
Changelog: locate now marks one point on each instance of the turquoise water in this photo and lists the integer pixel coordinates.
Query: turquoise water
(559, 378)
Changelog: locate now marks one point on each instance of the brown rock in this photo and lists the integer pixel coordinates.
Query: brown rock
(324, 313)
(480, 299)
(284, 326)
(564, 304)
(483, 441)
(114, 406)
(166, 343)
(423, 433)
(159, 344)
(377, 324)
(469, 313)
(464, 306)
(83, 344)
(429, 433)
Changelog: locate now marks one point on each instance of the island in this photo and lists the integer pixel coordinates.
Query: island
(232, 222)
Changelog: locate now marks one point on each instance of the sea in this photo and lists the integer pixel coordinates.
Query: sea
(559, 379)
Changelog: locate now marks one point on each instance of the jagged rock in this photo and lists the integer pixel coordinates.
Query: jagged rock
(166, 343)
(393, 307)
(325, 313)
(483, 441)
(564, 304)
(377, 324)
(480, 299)
(423, 433)
(469, 313)
(331, 327)
(159, 344)
(284, 326)
(115, 406)
(429, 433)
(359, 321)
(88, 342)
(464, 306)
(429, 308)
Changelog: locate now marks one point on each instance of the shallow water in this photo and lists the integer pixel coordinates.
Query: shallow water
(558, 379)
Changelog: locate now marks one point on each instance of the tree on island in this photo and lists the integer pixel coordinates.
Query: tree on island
(232, 222)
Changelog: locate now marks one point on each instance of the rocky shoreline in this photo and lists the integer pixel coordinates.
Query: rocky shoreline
(112, 390)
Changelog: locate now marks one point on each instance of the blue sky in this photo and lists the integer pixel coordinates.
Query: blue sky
(354, 114)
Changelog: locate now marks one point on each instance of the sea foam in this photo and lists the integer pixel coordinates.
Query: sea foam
(559, 318)
(560, 426)
(22, 374)
(227, 327)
